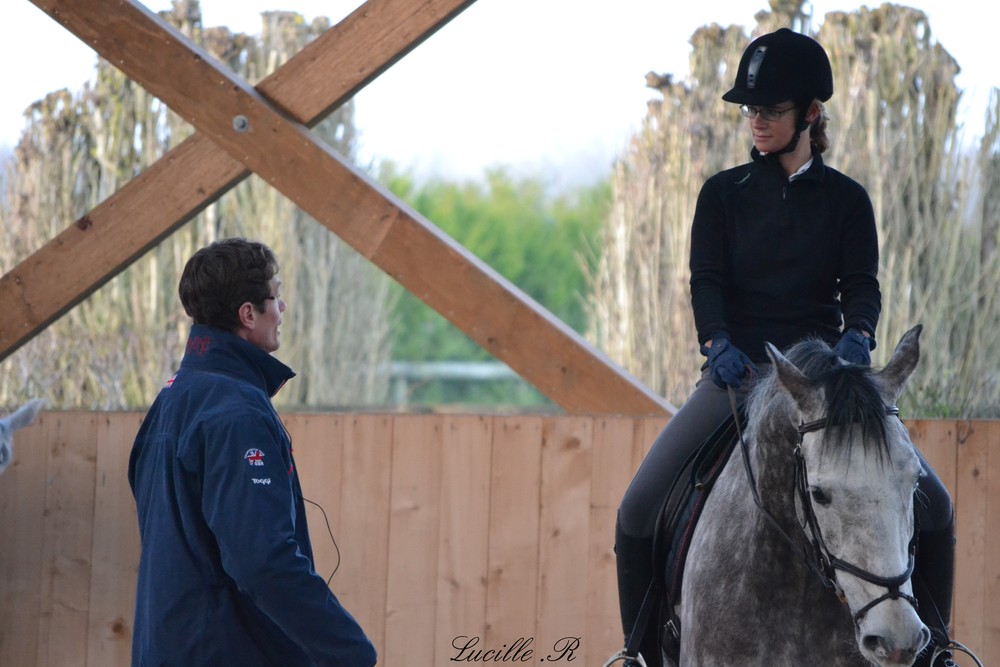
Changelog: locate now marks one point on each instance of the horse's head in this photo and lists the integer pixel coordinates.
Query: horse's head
(14, 421)
(857, 471)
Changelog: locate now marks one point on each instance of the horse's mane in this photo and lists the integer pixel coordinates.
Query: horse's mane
(851, 393)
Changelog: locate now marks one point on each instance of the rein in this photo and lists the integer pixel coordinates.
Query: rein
(821, 561)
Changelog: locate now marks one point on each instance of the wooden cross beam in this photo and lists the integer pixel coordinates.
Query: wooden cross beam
(265, 130)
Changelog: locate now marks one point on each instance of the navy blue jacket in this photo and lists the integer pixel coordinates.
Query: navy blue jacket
(777, 260)
(226, 574)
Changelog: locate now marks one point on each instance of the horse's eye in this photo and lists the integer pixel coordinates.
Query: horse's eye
(819, 496)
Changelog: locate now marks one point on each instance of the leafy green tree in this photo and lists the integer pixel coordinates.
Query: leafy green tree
(538, 242)
(542, 243)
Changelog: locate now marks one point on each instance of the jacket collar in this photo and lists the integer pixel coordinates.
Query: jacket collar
(770, 161)
(218, 351)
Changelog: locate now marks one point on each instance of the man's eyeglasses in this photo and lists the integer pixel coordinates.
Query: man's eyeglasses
(766, 113)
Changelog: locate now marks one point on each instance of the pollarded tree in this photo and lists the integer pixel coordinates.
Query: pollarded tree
(894, 129)
(117, 347)
(896, 132)
(640, 311)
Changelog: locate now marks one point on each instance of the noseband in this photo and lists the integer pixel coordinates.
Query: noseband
(818, 558)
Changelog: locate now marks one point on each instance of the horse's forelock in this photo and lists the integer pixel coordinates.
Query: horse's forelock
(853, 399)
(851, 394)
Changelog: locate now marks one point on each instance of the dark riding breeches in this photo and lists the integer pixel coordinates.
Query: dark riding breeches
(934, 577)
(692, 424)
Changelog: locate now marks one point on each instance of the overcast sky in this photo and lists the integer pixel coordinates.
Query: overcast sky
(543, 86)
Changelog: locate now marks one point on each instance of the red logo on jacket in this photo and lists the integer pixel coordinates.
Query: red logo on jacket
(254, 457)
(199, 345)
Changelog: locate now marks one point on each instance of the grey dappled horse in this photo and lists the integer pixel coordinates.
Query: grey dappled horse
(835, 474)
(13, 422)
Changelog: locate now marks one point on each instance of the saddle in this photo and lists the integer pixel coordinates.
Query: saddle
(678, 517)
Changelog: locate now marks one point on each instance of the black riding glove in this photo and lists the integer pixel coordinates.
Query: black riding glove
(854, 347)
(727, 364)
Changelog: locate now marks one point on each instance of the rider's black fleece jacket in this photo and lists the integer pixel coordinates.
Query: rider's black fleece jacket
(777, 260)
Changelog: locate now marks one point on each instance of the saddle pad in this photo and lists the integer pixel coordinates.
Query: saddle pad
(682, 508)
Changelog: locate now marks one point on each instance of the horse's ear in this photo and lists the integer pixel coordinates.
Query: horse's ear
(793, 381)
(25, 414)
(904, 359)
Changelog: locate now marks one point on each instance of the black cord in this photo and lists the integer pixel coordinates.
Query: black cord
(330, 533)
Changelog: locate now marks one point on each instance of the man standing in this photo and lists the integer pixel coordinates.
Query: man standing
(226, 574)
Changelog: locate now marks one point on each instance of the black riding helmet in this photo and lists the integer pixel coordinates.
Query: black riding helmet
(779, 66)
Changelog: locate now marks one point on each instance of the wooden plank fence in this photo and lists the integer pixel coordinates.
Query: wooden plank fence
(452, 531)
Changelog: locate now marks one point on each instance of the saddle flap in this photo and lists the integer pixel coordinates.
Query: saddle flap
(683, 504)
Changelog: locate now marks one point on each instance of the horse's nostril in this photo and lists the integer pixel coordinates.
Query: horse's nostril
(875, 644)
(884, 648)
(925, 638)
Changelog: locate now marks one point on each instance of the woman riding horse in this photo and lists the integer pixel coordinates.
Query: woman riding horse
(782, 248)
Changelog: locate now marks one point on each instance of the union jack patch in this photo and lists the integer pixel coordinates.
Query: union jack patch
(254, 457)
(170, 382)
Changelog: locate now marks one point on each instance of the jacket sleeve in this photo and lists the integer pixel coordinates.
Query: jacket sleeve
(708, 264)
(860, 296)
(249, 504)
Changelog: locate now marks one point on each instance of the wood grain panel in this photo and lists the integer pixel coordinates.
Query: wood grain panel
(318, 448)
(971, 510)
(411, 596)
(515, 487)
(615, 441)
(463, 532)
(362, 580)
(936, 440)
(542, 489)
(22, 521)
(991, 573)
(564, 529)
(67, 537)
(116, 545)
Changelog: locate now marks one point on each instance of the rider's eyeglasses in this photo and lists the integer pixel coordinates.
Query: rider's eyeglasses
(769, 114)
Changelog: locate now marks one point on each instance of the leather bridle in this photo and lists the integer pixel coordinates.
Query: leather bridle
(817, 556)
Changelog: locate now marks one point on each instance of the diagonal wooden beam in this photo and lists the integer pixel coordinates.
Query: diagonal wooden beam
(183, 182)
(261, 136)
